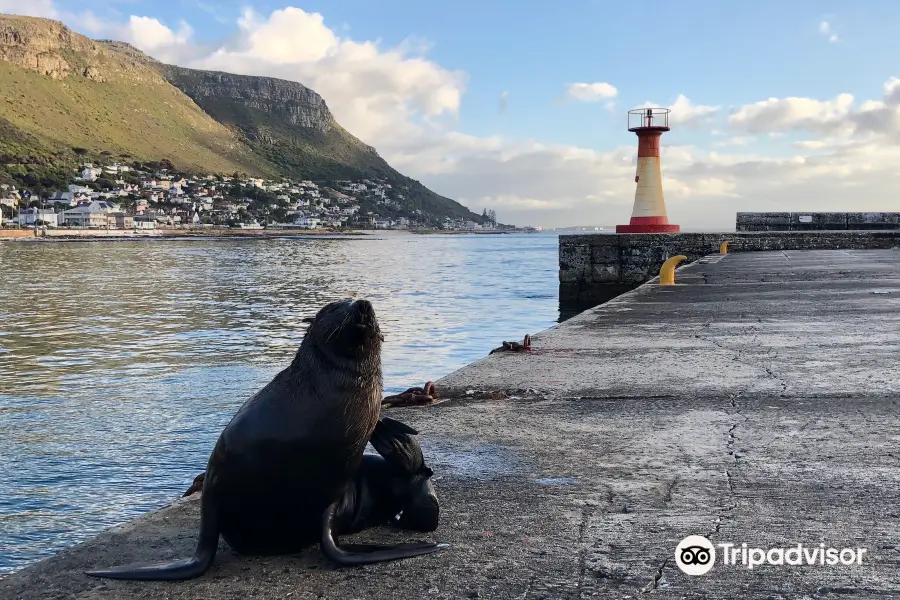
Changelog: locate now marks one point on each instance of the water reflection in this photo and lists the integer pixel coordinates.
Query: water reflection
(120, 362)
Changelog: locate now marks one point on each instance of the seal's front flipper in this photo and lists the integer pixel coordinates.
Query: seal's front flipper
(394, 441)
(352, 556)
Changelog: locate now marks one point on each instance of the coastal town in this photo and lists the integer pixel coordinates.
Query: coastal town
(136, 197)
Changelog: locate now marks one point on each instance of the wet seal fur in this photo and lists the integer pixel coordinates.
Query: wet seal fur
(282, 466)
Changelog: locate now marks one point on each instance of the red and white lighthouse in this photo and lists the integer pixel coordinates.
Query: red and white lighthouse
(649, 213)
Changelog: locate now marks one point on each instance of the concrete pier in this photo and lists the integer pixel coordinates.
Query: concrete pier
(596, 267)
(754, 401)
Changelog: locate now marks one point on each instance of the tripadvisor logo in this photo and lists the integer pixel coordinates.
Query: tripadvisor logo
(696, 555)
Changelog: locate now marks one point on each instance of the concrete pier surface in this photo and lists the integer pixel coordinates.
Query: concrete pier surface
(755, 401)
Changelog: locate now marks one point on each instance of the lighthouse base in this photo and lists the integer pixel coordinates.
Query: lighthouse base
(648, 225)
(667, 228)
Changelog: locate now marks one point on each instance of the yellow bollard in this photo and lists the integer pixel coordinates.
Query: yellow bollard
(723, 248)
(667, 272)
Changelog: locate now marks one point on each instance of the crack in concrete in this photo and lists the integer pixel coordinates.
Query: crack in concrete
(738, 356)
(667, 496)
(729, 447)
(657, 576)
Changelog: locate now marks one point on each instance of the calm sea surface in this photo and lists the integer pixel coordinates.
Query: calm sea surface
(120, 362)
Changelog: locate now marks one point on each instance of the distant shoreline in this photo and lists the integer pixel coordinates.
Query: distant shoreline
(456, 232)
(68, 235)
(75, 235)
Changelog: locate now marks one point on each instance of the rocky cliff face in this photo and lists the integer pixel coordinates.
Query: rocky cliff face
(287, 101)
(40, 45)
(55, 51)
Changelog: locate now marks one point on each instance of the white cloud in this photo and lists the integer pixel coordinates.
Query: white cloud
(735, 141)
(384, 96)
(838, 118)
(215, 10)
(153, 37)
(407, 106)
(591, 92)
(30, 8)
(827, 31)
(779, 114)
(504, 102)
(685, 112)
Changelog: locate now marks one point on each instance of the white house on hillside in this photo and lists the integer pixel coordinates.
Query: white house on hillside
(90, 173)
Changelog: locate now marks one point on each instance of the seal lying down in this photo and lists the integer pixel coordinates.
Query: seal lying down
(285, 472)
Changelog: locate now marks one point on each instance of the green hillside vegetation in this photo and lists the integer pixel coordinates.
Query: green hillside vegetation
(40, 117)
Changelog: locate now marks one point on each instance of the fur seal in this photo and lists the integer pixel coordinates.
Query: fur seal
(282, 465)
(391, 489)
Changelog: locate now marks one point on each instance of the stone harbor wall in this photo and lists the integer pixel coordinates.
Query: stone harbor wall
(816, 221)
(594, 268)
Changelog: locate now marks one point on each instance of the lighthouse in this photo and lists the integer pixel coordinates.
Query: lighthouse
(649, 213)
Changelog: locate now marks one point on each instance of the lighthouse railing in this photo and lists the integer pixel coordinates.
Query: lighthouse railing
(648, 117)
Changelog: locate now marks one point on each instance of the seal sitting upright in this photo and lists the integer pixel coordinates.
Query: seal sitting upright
(283, 463)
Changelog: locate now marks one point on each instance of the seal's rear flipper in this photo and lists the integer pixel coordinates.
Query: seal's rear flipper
(178, 570)
(365, 554)
(376, 547)
(173, 571)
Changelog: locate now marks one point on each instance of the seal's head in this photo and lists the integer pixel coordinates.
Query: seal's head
(420, 507)
(409, 477)
(347, 329)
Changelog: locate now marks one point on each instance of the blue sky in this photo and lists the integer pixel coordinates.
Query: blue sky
(716, 53)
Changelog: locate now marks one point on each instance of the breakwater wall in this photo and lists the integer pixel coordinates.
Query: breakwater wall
(816, 221)
(13, 234)
(594, 268)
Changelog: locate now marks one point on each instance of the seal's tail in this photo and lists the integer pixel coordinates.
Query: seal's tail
(352, 556)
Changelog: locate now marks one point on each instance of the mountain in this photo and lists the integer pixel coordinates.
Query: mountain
(61, 91)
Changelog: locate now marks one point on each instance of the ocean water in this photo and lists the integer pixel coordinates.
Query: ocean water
(120, 362)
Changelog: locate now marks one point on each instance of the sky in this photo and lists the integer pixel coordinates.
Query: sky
(521, 106)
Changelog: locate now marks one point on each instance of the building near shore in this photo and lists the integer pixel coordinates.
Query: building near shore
(307, 222)
(97, 214)
(144, 222)
(30, 217)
